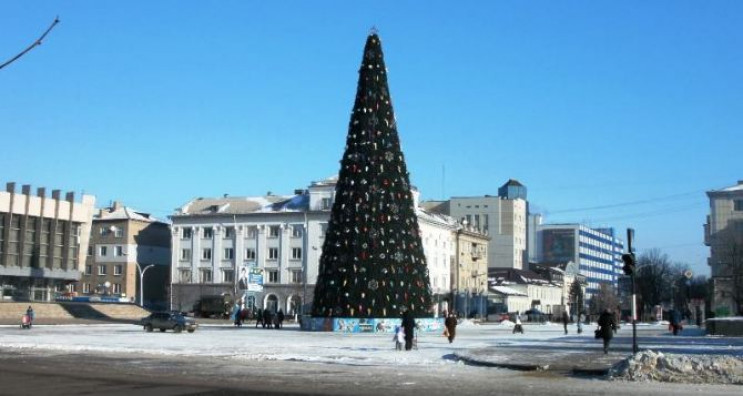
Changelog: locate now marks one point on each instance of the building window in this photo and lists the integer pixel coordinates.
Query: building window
(249, 254)
(273, 231)
(205, 276)
(229, 253)
(185, 254)
(186, 233)
(228, 275)
(91, 249)
(86, 288)
(229, 232)
(738, 205)
(206, 254)
(296, 253)
(208, 233)
(252, 231)
(185, 275)
(297, 231)
(118, 251)
(273, 276)
(325, 204)
(102, 269)
(103, 250)
(273, 253)
(117, 288)
(102, 231)
(118, 233)
(118, 269)
(88, 269)
(296, 276)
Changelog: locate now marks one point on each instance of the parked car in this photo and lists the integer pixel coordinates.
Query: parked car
(168, 320)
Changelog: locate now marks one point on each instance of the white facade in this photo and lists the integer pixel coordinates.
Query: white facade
(214, 239)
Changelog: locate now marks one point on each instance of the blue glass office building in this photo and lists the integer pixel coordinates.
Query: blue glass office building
(597, 251)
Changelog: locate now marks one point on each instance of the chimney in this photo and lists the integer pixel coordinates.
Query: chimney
(117, 205)
(70, 197)
(10, 187)
(41, 192)
(26, 189)
(56, 194)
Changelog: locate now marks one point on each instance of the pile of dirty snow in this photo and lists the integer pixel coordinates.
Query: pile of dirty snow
(707, 369)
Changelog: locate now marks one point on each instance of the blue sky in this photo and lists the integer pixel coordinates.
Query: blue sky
(611, 113)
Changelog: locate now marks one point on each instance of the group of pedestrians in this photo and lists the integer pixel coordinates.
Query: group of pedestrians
(263, 317)
(267, 319)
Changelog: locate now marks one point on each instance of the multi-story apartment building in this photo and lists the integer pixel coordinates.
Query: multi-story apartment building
(123, 242)
(280, 236)
(503, 218)
(470, 271)
(597, 251)
(723, 233)
(438, 246)
(43, 241)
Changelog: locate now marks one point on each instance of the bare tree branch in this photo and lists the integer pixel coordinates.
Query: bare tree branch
(35, 43)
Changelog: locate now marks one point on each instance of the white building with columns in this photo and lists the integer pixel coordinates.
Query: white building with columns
(217, 240)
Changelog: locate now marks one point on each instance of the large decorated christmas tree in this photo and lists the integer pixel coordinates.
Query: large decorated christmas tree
(372, 263)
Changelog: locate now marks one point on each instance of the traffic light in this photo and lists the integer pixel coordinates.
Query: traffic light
(629, 263)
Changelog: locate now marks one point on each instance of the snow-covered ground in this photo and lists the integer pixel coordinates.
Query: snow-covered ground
(290, 344)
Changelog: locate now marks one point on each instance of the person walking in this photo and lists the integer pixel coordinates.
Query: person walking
(451, 326)
(408, 323)
(31, 316)
(259, 318)
(579, 323)
(565, 321)
(518, 327)
(607, 327)
(267, 316)
(399, 337)
(280, 319)
(675, 319)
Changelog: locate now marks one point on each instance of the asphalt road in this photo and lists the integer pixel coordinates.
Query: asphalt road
(33, 373)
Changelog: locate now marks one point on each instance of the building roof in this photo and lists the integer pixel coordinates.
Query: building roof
(737, 187)
(438, 218)
(120, 212)
(513, 182)
(507, 291)
(519, 276)
(243, 205)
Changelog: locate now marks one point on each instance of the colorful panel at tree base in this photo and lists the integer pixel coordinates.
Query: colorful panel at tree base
(367, 325)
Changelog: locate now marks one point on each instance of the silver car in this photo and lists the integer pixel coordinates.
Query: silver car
(168, 320)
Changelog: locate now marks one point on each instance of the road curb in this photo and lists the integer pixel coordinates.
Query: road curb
(511, 366)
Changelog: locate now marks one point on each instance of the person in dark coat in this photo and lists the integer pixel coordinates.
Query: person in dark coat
(565, 321)
(259, 318)
(451, 326)
(280, 319)
(408, 323)
(267, 318)
(607, 327)
(675, 317)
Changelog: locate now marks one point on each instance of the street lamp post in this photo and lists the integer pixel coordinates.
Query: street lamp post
(141, 282)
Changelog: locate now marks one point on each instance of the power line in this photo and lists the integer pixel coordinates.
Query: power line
(630, 203)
